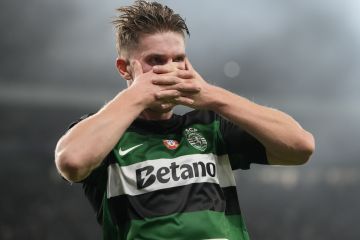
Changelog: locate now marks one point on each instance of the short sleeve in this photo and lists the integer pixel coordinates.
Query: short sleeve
(241, 147)
(94, 185)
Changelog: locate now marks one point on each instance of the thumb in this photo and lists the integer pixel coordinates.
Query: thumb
(188, 65)
(136, 68)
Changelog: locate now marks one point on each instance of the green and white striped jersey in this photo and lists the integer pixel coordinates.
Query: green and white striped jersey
(172, 179)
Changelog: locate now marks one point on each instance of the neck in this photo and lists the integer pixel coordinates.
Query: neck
(149, 114)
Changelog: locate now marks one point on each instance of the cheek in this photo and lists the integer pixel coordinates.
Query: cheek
(146, 67)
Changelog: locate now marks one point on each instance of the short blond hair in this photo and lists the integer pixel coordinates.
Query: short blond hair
(145, 17)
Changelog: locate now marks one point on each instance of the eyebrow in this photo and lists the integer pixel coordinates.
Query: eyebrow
(182, 55)
(162, 55)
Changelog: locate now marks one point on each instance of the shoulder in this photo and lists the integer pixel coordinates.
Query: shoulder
(200, 117)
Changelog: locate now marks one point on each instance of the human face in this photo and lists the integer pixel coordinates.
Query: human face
(160, 49)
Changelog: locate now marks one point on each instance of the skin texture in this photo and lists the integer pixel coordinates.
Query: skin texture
(159, 77)
(163, 49)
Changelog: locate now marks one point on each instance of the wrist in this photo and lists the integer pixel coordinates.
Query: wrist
(136, 98)
(216, 98)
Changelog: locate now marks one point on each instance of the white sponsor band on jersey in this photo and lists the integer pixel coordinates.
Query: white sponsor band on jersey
(152, 175)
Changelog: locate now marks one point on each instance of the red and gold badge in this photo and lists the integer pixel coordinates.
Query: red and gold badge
(171, 144)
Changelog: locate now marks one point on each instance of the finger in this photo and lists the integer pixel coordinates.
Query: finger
(167, 94)
(184, 74)
(184, 101)
(166, 80)
(166, 106)
(188, 65)
(137, 68)
(185, 87)
(167, 68)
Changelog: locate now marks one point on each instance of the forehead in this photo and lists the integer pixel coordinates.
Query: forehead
(163, 43)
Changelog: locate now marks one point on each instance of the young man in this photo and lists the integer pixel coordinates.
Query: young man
(151, 174)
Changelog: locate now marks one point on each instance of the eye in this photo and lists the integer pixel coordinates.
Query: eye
(179, 59)
(156, 60)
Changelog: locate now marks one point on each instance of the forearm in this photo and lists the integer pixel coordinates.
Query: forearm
(84, 146)
(286, 142)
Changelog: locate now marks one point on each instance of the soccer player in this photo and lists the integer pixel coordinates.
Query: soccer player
(151, 174)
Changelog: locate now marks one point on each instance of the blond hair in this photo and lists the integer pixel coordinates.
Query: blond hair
(145, 17)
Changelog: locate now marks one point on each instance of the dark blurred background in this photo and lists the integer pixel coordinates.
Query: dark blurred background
(302, 57)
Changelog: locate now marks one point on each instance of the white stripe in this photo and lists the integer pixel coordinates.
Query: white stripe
(122, 180)
(224, 171)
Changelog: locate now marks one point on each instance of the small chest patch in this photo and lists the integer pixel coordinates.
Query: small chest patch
(171, 144)
(196, 139)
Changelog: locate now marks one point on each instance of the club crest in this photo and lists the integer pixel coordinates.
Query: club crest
(196, 139)
(171, 144)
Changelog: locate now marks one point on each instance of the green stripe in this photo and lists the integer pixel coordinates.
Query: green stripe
(185, 226)
(153, 147)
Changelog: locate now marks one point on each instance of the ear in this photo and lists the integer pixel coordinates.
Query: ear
(123, 67)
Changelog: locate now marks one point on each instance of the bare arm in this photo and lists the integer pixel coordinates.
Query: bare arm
(84, 146)
(286, 142)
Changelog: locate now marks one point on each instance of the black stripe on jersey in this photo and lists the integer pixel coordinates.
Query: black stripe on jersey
(175, 125)
(189, 198)
(242, 148)
(95, 185)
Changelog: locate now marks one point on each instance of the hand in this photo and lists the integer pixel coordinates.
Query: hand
(188, 83)
(157, 97)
